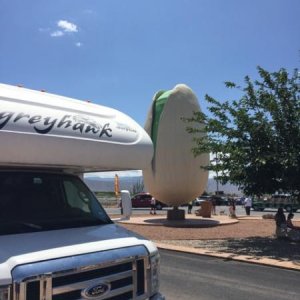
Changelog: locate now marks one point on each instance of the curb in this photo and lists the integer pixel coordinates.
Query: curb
(231, 256)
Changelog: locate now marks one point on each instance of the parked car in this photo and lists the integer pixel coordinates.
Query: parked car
(218, 200)
(286, 201)
(144, 200)
(198, 201)
(239, 200)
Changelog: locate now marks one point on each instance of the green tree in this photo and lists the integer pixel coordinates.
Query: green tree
(256, 139)
(138, 187)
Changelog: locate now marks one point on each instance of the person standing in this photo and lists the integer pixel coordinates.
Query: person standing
(153, 206)
(190, 207)
(231, 203)
(248, 205)
(213, 206)
(280, 223)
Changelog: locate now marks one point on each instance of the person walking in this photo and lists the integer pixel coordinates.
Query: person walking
(248, 205)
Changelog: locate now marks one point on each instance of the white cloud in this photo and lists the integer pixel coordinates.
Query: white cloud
(67, 26)
(64, 27)
(78, 44)
(57, 33)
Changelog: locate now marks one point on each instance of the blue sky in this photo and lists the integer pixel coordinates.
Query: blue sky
(118, 53)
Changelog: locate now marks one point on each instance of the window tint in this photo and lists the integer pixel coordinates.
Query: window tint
(76, 198)
(31, 201)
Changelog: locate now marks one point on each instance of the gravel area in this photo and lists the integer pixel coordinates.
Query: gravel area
(248, 237)
(243, 229)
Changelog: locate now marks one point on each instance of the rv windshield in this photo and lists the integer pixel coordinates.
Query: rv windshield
(39, 201)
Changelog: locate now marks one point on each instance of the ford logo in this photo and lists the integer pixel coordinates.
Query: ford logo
(96, 291)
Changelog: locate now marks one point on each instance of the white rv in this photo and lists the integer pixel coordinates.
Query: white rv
(56, 241)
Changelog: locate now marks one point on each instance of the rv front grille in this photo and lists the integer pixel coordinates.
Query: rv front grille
(112, 275)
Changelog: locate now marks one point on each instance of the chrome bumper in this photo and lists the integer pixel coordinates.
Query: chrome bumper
(158, 296)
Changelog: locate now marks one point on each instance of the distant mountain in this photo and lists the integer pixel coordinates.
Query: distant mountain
(105, 184)
(227, 188)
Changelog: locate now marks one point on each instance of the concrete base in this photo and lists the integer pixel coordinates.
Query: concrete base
(191, 221)
(205, 210)
(176, 215)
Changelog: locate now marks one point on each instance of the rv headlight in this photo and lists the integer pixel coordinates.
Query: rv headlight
(4, 292)
(155, 272)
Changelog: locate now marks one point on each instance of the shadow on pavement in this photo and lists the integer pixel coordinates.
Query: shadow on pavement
(258, 247)
(187, 223)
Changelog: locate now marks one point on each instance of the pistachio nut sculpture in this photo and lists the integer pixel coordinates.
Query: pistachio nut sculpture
(175, 176)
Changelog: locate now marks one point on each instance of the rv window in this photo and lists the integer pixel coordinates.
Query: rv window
(31, 201)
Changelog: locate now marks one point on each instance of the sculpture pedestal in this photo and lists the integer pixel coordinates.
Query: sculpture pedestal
(176, 214)
(205, 210)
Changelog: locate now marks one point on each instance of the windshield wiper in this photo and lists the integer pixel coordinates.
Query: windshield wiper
(32, 225)
(15, 227)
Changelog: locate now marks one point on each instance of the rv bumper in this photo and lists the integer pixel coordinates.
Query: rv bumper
(157, 296)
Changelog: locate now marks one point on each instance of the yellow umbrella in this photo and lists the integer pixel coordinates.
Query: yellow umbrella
(117, 185)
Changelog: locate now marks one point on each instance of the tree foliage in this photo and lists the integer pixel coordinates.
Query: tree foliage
(256, 138)
(138, 187)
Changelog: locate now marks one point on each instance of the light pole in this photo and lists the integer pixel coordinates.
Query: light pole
(217, 177)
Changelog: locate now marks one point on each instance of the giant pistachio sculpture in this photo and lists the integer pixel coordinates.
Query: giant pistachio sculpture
(175, 176)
